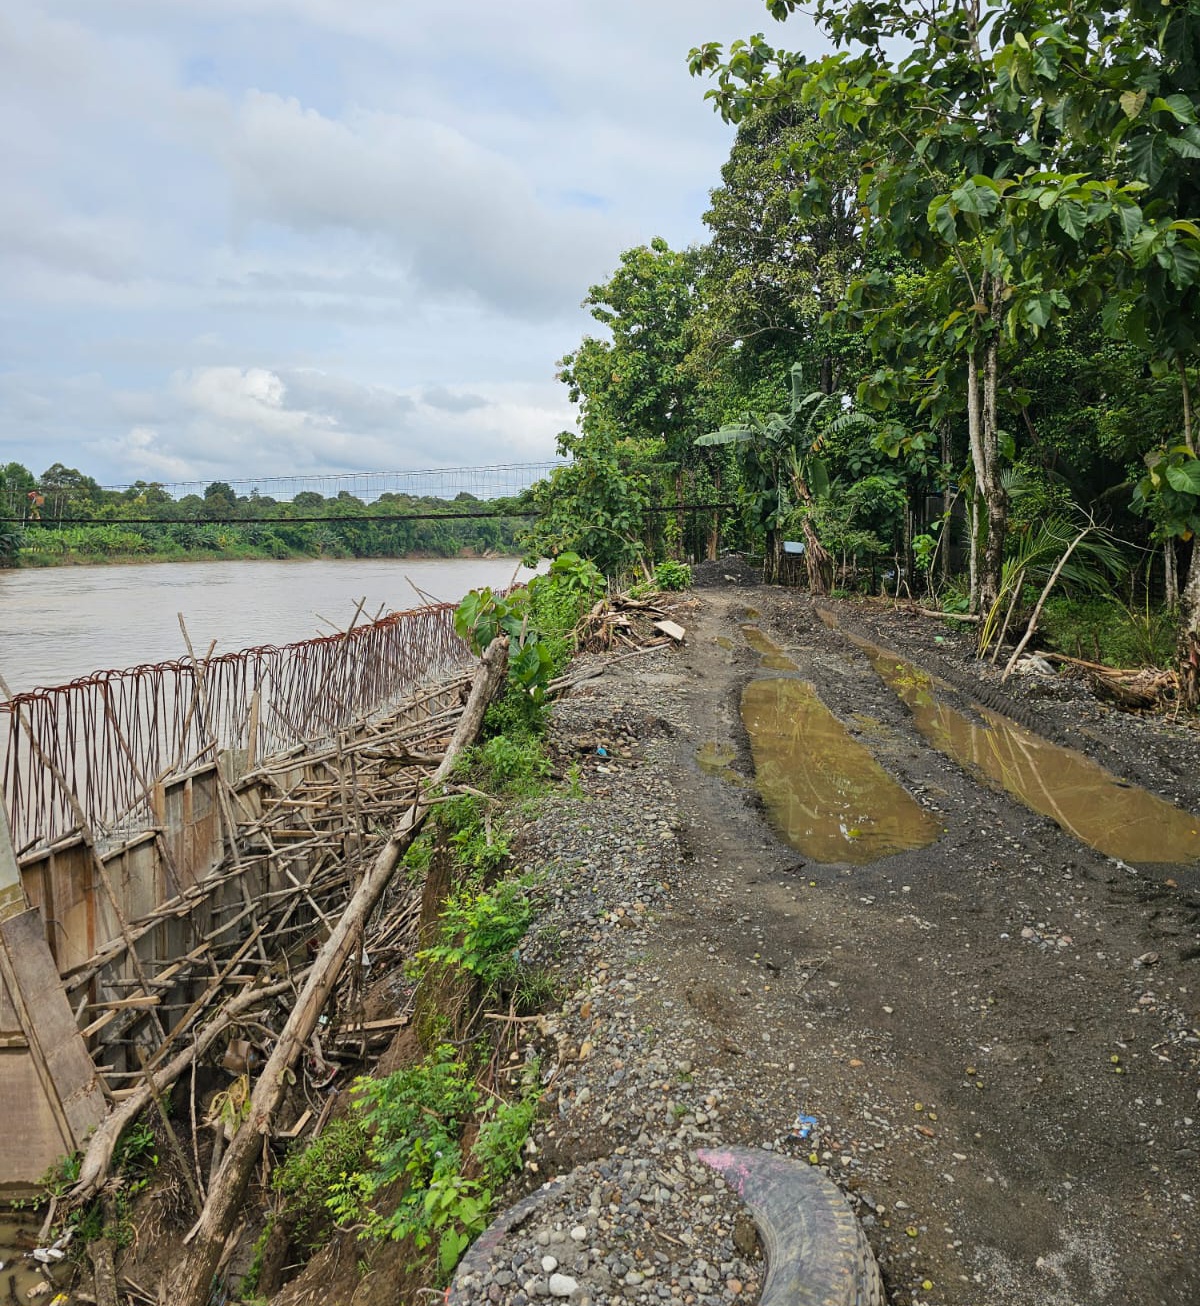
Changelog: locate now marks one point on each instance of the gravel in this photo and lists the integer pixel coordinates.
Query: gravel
(641, 1219)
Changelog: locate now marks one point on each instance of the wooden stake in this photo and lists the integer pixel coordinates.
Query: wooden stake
(191, 1281)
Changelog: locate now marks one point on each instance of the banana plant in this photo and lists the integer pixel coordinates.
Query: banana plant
(785, 472)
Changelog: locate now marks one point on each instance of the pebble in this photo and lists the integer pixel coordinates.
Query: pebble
(647, 1222)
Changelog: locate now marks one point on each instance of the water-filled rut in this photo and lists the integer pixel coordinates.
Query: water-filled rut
(1116, 818)
(826, 795)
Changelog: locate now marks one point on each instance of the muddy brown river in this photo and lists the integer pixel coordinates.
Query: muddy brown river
(61, 622)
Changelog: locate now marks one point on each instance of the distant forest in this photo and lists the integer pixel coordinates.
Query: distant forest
(65, 517)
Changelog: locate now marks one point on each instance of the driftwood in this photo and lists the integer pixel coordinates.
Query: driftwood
(1133, 688)
(190, 1283)
(936, 612)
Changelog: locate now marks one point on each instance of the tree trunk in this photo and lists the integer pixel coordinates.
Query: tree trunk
(772, 556)
(973, 552)
(191, 1281)
(1186, 391)
(1170, 575)
(982, 387)
(817, 560)
(1189, 635)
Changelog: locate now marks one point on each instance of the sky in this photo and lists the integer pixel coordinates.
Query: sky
(245, 238)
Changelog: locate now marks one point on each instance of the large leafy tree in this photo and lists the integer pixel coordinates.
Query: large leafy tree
(957, 171)
(771, 274)
(632, 383)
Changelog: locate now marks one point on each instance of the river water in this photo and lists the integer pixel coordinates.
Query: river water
(62, 622)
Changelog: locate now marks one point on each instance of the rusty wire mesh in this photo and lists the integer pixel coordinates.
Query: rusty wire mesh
(113, 735)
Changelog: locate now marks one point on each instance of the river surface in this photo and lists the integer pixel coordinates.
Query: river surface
(62, 622)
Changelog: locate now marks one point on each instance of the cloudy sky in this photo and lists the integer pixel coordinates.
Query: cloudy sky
(250, 237)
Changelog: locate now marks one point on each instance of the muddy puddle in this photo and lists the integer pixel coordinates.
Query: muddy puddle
(1112, 816)
(825, 793)
(22, 1279)
(771, 654)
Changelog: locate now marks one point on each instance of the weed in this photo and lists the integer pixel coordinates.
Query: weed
(535, 989)
(500, 1139)
(670, 575)
(417, 856)
(305, 1179)
(480, 932)
(414, 1118)
(574, 785)
(231, 1106)
(516, 766)
(1116, 633)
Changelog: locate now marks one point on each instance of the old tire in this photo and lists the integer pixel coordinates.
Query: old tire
(817, 1254)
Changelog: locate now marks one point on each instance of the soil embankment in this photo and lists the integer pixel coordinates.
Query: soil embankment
(994, 1034)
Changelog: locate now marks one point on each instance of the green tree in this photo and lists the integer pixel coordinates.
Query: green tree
(774, 268)
(633, 385)
(956, 172)
(68, 492)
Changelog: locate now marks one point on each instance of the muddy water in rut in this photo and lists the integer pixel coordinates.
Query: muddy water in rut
(826, 794)
(1114, 817)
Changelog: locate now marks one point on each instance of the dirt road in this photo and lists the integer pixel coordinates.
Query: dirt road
(995, 1033)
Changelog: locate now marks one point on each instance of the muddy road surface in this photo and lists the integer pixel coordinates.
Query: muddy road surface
(992, 1024)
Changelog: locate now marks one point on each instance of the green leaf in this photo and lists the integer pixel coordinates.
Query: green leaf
(1037, 311)
(1182, 262)
(1178, 106)
(1131, 103)
(1071, 218)
(972, 198)
(1144, 159)
(1131, 219)
(1186, 149)
(941, 218)
(1185, 478)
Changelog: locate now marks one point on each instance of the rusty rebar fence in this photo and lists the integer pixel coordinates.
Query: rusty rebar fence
(115, 735)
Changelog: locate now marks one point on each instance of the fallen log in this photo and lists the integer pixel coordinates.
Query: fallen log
(191, 1281)
(94, 1169)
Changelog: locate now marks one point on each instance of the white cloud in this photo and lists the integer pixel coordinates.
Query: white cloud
(242, 236)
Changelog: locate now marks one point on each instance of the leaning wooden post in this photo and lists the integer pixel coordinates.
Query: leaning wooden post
(191, 1282)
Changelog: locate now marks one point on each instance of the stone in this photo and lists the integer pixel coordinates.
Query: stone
(562, 1285)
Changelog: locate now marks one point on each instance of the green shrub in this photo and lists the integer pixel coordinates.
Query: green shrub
(505, 765)
(306, 1178)
(669, 575)
(415, 1118)
(479, 932)
(1112, 632)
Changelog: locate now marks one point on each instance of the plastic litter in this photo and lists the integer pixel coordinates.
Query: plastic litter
(803, 1126)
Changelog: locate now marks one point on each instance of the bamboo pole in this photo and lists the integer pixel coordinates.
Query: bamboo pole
(94, 1168)
(190, 1283)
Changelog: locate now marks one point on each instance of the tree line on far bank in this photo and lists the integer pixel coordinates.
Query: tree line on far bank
(143, 521)
(943, 331)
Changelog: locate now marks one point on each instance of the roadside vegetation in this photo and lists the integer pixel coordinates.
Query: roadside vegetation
(946, 313)
(421, 1155)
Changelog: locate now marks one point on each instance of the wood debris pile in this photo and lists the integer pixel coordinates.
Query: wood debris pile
(622, 622)
(1136, 689)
